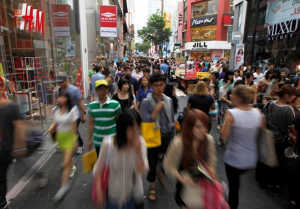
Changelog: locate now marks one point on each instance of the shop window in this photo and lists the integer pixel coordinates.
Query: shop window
(205, 8)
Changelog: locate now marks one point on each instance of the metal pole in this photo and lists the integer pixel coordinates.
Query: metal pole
(162, 7)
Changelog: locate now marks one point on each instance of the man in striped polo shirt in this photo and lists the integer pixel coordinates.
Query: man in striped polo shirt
(103, 116)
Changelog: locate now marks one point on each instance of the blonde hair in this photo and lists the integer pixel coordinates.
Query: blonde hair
(200, 89)
(246, 93)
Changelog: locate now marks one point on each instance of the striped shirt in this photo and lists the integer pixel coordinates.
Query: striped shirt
(105, 118)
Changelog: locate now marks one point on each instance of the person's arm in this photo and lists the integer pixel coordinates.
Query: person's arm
(90, 132)
(80, 102)
(213, 105)
(224, 98)
(188, 106)
(157, 108)
(19, 142)
(227, 125)
(131, 102)
(141, 165)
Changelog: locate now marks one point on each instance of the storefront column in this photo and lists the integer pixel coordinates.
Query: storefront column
(84, 46)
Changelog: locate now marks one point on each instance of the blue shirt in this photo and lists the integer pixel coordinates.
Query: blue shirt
(165, 68)
(142, 94)
(133, 81)
(204, 69)
(94, 78)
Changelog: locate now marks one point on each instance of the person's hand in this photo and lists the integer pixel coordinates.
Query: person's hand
(132, 107)
(90, 144)
(136, 142)
(229, 82)
(190, 182)
(82, 119)
(160, 105)
(230, 103)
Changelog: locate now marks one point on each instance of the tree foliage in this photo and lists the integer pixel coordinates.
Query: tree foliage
(143, 47)
(155, 31)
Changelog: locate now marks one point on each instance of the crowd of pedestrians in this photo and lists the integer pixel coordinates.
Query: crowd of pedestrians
(130, 97)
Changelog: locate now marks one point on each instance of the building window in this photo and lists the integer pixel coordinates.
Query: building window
(231, 6)
(205, 8)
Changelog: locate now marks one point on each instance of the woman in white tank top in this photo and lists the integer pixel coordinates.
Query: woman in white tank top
(240, 128)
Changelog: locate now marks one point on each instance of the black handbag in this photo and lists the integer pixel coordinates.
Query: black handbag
(292, 162)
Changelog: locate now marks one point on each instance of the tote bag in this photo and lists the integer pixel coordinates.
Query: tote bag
(88, 161)
(152, 137)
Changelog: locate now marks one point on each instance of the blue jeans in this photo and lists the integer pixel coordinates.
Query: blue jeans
(129, 205)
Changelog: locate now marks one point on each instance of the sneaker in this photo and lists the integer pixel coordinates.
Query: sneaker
(79, 150)
(73, 171)
(218, 127)
(61, 192)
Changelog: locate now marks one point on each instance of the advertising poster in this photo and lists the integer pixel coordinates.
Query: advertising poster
(204, 33)
(281, 11)
(71, 50)
(108, 21)
(60, 20)
(239, 57)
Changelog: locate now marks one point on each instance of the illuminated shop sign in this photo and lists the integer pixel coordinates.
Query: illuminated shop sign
(282, 30)
(205, 20)
(31, 19)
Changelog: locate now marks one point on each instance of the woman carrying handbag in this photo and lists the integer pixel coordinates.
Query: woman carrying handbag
(122, 158)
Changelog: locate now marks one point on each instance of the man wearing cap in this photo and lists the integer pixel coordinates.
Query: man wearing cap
(76, 100)
(103, 116)
(90, 73)
(97, 76)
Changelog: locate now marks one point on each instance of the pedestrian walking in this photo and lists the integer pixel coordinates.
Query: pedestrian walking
(158, 108)
(123, 96)
(76, 100)
(97, 76)
(65, 120)
(193, 145)
(103, 116)
(90, 73)
(241, 151)
(110, 81)
(127, 161)
(144, 90)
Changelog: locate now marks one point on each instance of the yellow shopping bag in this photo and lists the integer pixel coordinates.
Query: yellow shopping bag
(88, 161)
(152, 137)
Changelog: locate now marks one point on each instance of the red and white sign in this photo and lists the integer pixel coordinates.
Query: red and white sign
(60, 19)
(108, 21)
(31, 19)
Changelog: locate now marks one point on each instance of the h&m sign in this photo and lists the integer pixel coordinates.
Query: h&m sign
(199, 45)
(205, 20)
(282, 30)
(31, 19)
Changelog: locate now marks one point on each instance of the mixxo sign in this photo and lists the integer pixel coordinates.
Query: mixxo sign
(31, 19)
(282, 30)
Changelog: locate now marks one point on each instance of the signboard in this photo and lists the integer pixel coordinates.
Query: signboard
(239, 57)
(60, 20)
(281, 11)
(282, 30)
(205, 20)
(31, 19)
(228, 19)
(180, 20)
(108, 21)
(204, 33)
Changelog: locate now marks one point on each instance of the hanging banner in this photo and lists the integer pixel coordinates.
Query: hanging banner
(60, 20)
(281, 11)
(239, 58)
(180, 20)
(108, 21)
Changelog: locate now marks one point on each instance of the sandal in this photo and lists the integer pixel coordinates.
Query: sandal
(152, 193)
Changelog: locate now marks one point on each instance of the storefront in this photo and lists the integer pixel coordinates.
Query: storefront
(272, 33)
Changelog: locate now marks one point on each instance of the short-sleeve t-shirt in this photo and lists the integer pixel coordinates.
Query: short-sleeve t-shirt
(125, 103)
(142, 94)
(91, 72)
(279, 118)
(105, 118)
(202, 103)
(8, 114)
(64, 121)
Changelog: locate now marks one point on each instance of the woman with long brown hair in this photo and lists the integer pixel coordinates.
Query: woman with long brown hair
(192, 147)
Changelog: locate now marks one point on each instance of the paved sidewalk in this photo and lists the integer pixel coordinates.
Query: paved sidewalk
(252, 196)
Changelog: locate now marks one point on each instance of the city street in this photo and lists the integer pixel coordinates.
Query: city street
(252, 196)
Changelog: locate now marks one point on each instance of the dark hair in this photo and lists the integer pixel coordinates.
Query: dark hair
(157, 77)
(156, 67)
(125, 120)
(227, 74)
(146, 69)
(286, 89)
(215, 73)
(248, 75)
(138, 67)
(97, 68)
(127, 68)
(239, 82)
(224, 69)
(169, 92)
(69, 105)
(268, 73)
(106, 71)
(121, 82)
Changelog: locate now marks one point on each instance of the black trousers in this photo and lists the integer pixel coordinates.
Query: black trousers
(5, 160)
(153, 156)
(80, 142)
(233, 176)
